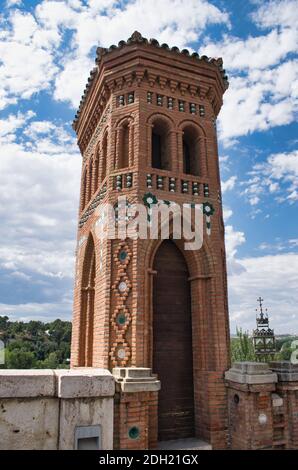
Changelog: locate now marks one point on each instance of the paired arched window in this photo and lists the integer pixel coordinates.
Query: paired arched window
(191, 151)
(161, 145)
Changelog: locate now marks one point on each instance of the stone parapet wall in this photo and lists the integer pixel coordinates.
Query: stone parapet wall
(56, 409)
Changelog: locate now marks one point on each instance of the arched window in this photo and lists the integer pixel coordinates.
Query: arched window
(104, 156)
(87, 306)
(191, 151)
(124, 146)
(161, 145)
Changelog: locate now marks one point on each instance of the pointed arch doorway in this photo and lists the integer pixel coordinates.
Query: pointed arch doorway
(172, 343)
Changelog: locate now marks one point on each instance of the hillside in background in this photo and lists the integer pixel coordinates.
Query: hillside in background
(35, 345)
(38, 345)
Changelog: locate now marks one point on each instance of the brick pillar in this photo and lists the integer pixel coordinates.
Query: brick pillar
(250, 407)
(135, 408)
(287, 388)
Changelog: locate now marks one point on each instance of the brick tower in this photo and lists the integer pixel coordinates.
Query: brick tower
(146, 130)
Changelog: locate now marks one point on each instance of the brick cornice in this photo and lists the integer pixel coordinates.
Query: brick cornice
(137, 60)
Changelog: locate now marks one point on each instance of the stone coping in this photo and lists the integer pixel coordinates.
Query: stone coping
(286, 371)
(136, 379)
(251, 373)
(85, 382)
(62, 383)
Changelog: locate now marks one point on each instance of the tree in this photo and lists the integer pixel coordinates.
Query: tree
(51, 362)
(36, 344)
(19, 359)
(242, 348)
(3, 323)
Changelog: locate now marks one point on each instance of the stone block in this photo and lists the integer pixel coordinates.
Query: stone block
(277, 400)
(251, 373)
(28, 423)
(285, 370)
(27, 383)
(85, 382)
(136, 379)
(86, 412)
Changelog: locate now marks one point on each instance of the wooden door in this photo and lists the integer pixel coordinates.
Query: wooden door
(172, 343)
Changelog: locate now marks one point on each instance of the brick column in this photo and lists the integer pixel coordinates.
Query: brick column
(287, 388)
(250, 407)
(135, 408)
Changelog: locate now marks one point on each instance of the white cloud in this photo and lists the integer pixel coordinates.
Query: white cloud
(228, 184)
(254, 52)
(38, 311)
(259, 100)
(11, 3)
(107, 22)
(12, 122)
(278, 175)
(263, 89)
(227, 213)
(277, 13)
(275, 278)
(71, 81)
(29, 47)
(35, 235)
(233, 240)
(27, 64)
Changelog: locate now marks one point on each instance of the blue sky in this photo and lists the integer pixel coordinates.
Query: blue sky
(47, 49)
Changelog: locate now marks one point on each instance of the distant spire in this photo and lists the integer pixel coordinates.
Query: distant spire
(263, 336)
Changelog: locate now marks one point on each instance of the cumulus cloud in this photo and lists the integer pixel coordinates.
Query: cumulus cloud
(34, 38)
(41, 311)
(278, 175)
(275, 278)
(12, 122)
(277, 13)
(11, 3)
(259, 100)
(263, 89)
(227, 213)
(233, 240)
(38, 225)
(27, 63)
(228, 184)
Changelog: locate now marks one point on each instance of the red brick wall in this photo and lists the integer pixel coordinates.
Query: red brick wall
(135, 410)
(139, 70)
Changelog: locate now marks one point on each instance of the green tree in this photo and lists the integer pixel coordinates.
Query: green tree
(4, 324)
(51, 362)
(36, 344)
(242, 348)
(19, 359)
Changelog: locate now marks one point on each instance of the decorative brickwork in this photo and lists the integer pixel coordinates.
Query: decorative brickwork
(146, 125)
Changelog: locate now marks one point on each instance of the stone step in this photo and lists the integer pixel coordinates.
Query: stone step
(191, 443)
